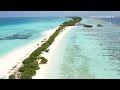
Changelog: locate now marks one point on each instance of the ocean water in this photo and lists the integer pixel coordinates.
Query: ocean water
(90, 53)
(115, 20)
(17, 32)
(85, 53)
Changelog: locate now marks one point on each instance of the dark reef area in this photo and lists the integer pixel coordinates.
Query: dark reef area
(16, 36)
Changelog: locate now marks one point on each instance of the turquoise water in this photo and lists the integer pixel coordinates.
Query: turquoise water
(91, 53)
(17, 32)
(85, 53)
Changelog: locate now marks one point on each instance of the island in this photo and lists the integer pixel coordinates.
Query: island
(99, 25)
(31, 63)
(87, 25)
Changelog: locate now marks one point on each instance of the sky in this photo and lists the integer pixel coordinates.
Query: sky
(57, 13)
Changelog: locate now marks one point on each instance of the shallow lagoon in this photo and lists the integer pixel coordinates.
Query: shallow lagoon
(91, 52)
(17, 32)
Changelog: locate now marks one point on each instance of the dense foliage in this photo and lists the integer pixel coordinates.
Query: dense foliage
(25, 76)
(31, 63)
(43, 60)
(72, 22)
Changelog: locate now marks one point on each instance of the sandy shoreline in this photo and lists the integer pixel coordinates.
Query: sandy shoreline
(10, 60)
(17, 56)
(42, 73)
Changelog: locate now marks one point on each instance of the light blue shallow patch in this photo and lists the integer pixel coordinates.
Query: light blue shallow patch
(91, 52)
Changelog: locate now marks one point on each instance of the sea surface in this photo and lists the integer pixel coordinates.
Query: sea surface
(90, 53)
(84, 53)
(17, 32)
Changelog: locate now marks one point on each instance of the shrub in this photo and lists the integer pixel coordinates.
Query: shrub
(43, 60)
(12, 76)
(28, 60)
(25, 76)
(25, 67)
(34, 65)
(30, 71)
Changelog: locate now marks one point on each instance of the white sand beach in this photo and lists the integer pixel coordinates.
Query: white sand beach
(15, 58)
(43, 72)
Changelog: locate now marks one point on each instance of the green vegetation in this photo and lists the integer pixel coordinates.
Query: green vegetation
(43, 60)
(72, 22)
(12, 76)
(30, 71)
(27, 72)
(99, 25)
(30, 64)
(24, 68)
(87, 26)
(25, 76)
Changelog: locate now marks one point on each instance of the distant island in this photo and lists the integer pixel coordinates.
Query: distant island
(87, 25)
(99, 25)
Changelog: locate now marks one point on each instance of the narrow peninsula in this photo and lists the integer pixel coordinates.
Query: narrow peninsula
(29, 65)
